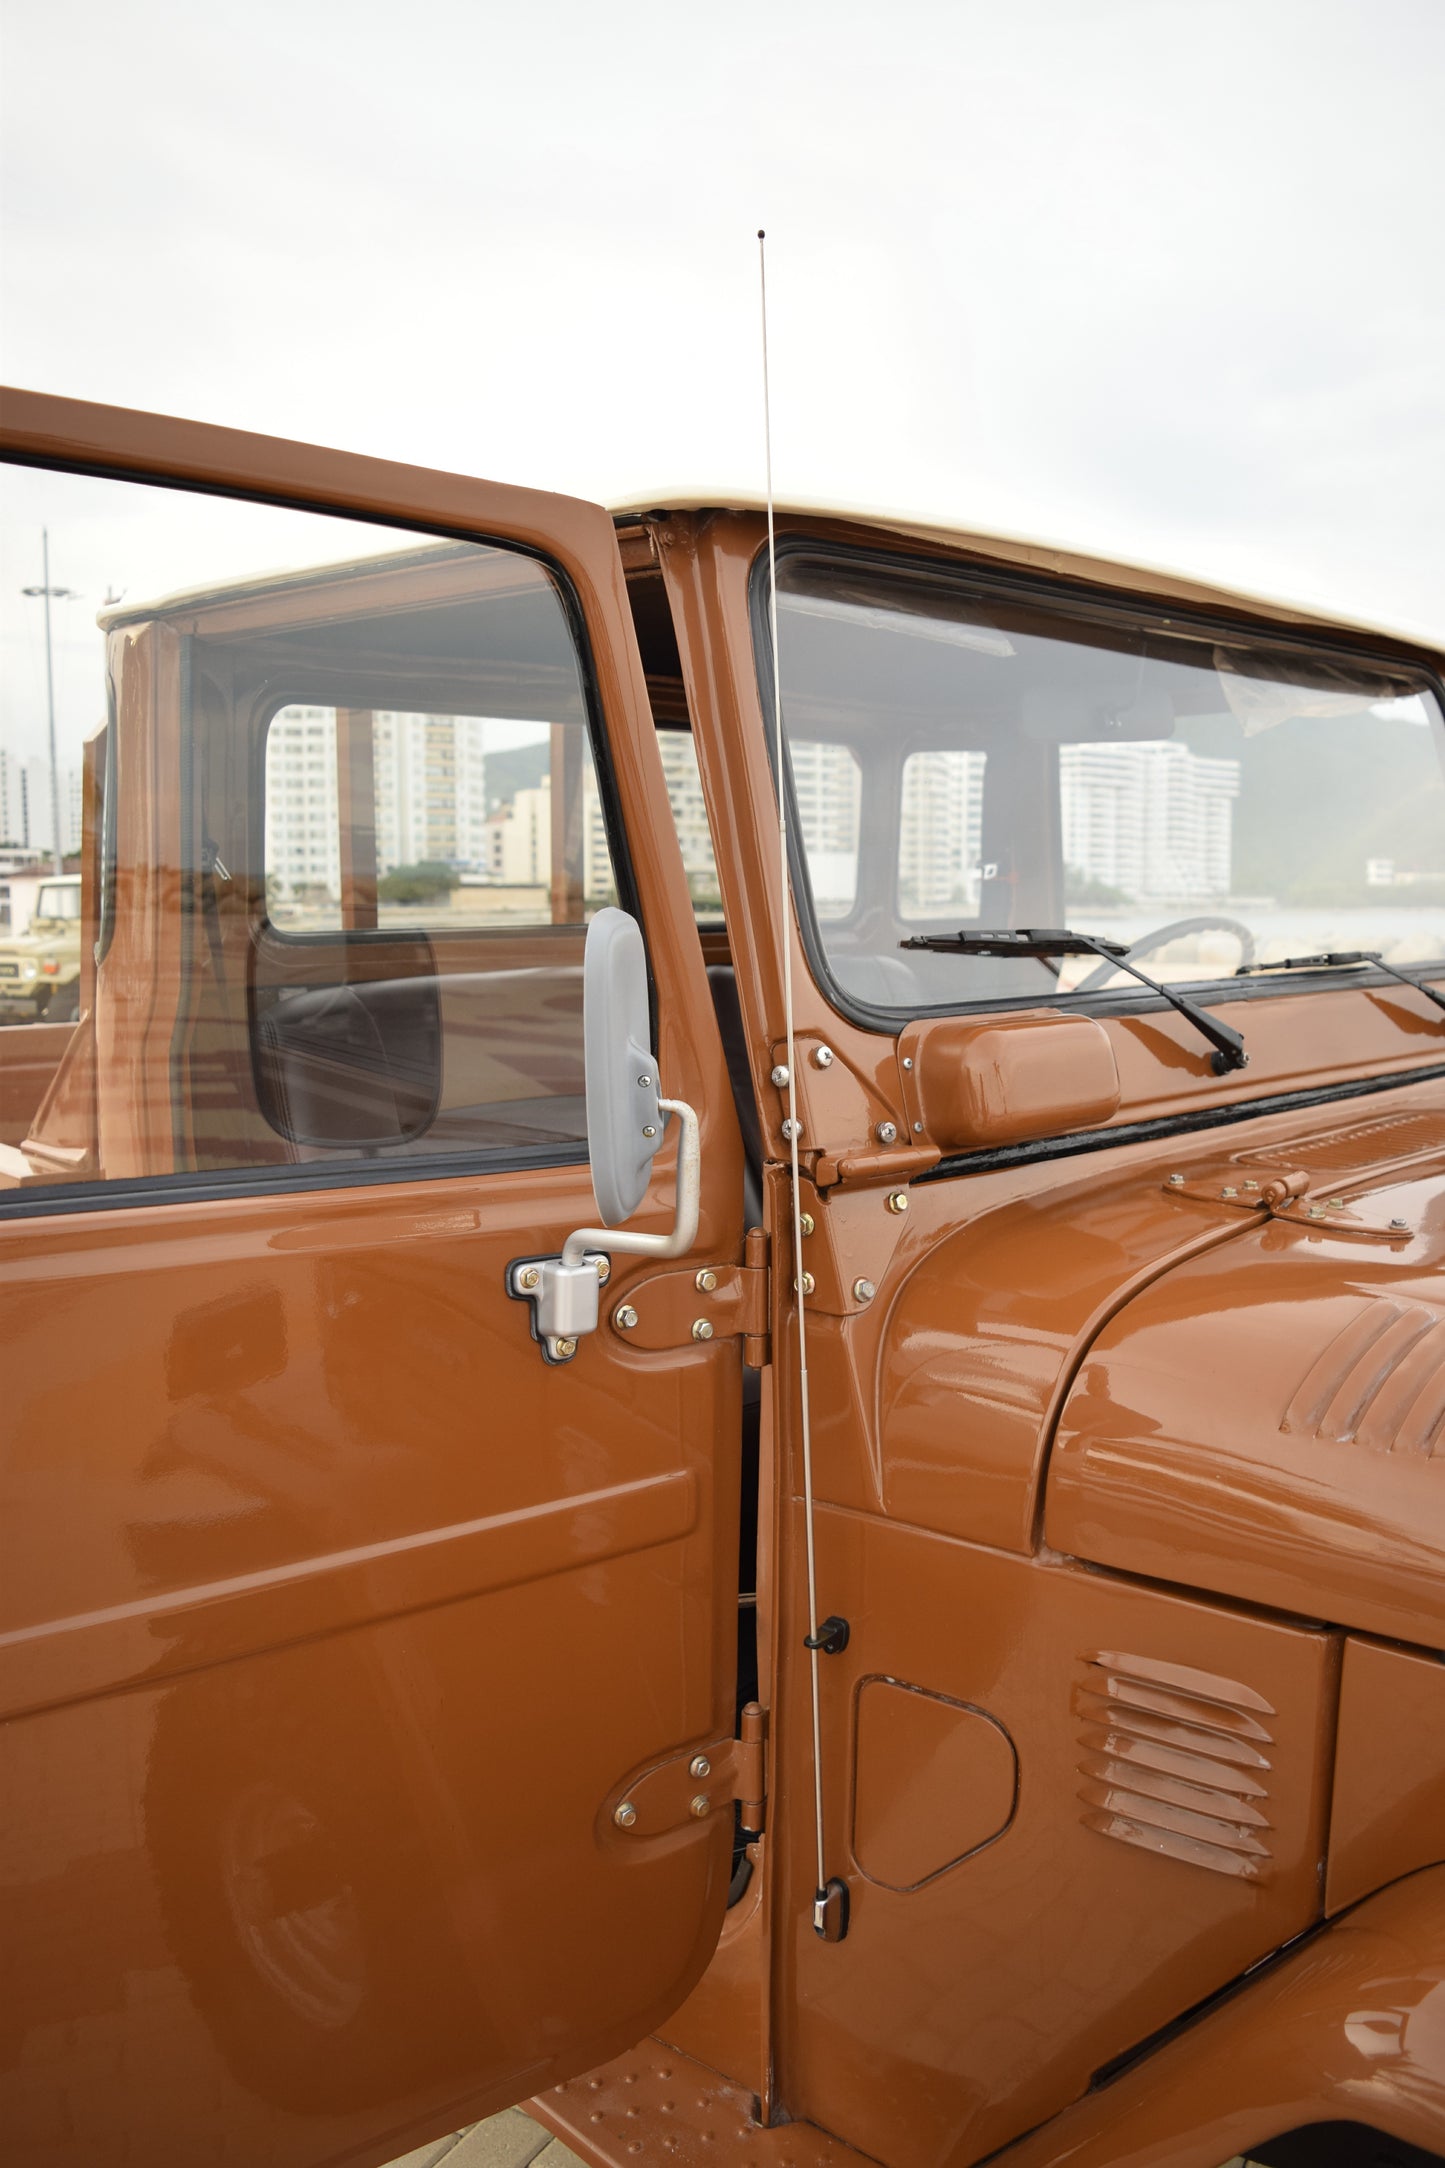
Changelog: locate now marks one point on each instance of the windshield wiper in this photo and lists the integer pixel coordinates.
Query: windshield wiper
(1044, 941)
(1332, 959)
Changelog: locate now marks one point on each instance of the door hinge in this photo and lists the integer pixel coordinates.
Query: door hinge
(706, 1302)
(696, 1783)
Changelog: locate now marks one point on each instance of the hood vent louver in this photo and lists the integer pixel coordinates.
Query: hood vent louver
(1177, 1762)
(1380, 1382)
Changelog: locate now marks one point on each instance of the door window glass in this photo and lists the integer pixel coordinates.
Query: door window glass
(354, 832)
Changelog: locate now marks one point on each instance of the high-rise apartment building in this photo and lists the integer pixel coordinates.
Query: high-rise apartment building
(1152, 820)
(940, 833)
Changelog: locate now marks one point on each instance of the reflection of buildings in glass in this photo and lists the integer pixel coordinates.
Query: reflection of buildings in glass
(828, 788)
(430, 794)
(1152, 820)
(25, 804)
(940, 832)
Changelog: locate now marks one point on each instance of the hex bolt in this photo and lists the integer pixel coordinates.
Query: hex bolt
(806, 1285)
(706, 1281)
(898, 1200)
(1229, 1190)
(565, 1350)
(625, 1815)
(806, 1223)
(908, 1061)
(1399, 1227)
(529, 1276)
(1337, 1204)
(699, 1766)
(822, 1057)
(1251, 1185)
(791, 1129)
(864, 1290)
(918, 1129)
(1176, 1181)
(604, 1269)
(625, 1318)
(699, 1805)
(702, 1328)
(782, 1075)
(887, 1132)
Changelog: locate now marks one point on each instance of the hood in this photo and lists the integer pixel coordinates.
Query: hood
(1267, 1419)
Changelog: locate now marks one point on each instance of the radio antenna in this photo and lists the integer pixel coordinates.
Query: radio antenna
(834, 1894)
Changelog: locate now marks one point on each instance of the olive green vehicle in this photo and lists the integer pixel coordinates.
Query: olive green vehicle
(40, 969)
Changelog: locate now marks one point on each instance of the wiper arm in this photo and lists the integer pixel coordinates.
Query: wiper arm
(1048, 941)
(1333, 958)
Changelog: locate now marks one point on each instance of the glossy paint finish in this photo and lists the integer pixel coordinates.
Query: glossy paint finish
(1387, 1816)
(999, 1083)
(1350, 2028)
(332, 1616)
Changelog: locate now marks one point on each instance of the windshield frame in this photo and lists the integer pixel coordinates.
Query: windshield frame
(1090, 604)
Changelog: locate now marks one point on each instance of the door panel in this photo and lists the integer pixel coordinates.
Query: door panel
(331, 1614)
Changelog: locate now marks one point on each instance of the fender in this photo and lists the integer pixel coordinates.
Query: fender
(1349, 2028)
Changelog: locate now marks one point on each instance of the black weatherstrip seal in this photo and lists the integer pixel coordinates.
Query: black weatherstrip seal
(1170, 1125)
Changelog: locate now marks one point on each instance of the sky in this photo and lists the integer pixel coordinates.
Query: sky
(1160, 278)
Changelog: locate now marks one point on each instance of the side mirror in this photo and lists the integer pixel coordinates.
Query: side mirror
(625, 1116)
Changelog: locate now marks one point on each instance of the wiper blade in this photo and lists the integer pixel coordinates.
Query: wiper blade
(1044, 941)
(1333, 959)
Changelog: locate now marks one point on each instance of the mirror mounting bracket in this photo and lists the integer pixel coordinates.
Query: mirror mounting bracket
(565, 1291)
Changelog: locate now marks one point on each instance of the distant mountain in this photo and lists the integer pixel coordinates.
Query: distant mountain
(518, 767)
(1310, 811)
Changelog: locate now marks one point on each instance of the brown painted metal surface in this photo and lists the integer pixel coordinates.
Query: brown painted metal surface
(1387, 1816)
(339, 1630)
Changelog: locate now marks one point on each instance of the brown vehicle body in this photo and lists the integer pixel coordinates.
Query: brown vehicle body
(334, 1618)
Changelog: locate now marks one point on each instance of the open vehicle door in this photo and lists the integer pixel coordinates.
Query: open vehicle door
(342, 1611)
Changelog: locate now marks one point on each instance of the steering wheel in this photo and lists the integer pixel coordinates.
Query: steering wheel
(1161, 936)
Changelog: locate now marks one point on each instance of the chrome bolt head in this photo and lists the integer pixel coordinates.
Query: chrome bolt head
(702, 1328)
(564, 1350)
(782, 1075)
(1176, 1181)
(1399, 1227)
(887, 1132)
(791, 1129)
(898, 1200)
(863, 1290)
(806, 1284)
(706, 1281)
(1229, 1190)
(699, 1806)
(918, 1129)
(529, 1277)
(699, 1766)
(604, 1269)
(806, 1223)
(624, 1318)
(645, 1082)
(649, 1129)
(822, 1057)
(625, 1815)
(908, 1061)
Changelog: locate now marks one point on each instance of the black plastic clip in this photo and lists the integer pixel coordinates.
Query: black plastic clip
(831, 1637)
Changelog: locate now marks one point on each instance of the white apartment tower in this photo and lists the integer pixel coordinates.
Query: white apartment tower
(1153, 820)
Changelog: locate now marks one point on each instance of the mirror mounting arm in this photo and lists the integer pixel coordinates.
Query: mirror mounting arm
(564, 1291)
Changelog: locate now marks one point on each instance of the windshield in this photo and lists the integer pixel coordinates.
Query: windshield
(966, 761)
(58, 899)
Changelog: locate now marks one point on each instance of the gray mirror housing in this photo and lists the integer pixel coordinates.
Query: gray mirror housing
(624, 1119)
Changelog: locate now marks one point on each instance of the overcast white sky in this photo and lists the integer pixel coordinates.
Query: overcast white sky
(1160, 276)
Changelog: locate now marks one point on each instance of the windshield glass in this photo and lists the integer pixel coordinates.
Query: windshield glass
(962, 761)
(58, 899)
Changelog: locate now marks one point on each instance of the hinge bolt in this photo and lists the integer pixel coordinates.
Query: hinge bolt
(863, 1290)
(1399, 1227)
(625, 1815)
(1229, 1190)
(699, 1766)
(898, 1200)
(887, 1132)
(782, 1075)
(625, 1318)
(702, 1328)
(699, 1805)
(805, 1285)
(1176, 1181)
(822, 1057)
(805, 1221)
(705, 1282)
(604, 1269)
(529, 1276)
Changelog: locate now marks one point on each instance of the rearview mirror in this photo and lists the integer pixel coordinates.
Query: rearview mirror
(624, 1119)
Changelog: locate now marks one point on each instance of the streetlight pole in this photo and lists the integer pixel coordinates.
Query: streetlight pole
(56, 851)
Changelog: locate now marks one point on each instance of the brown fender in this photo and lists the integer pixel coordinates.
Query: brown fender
(1349, 2029)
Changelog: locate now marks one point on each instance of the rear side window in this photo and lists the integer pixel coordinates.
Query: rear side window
(359, 828)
